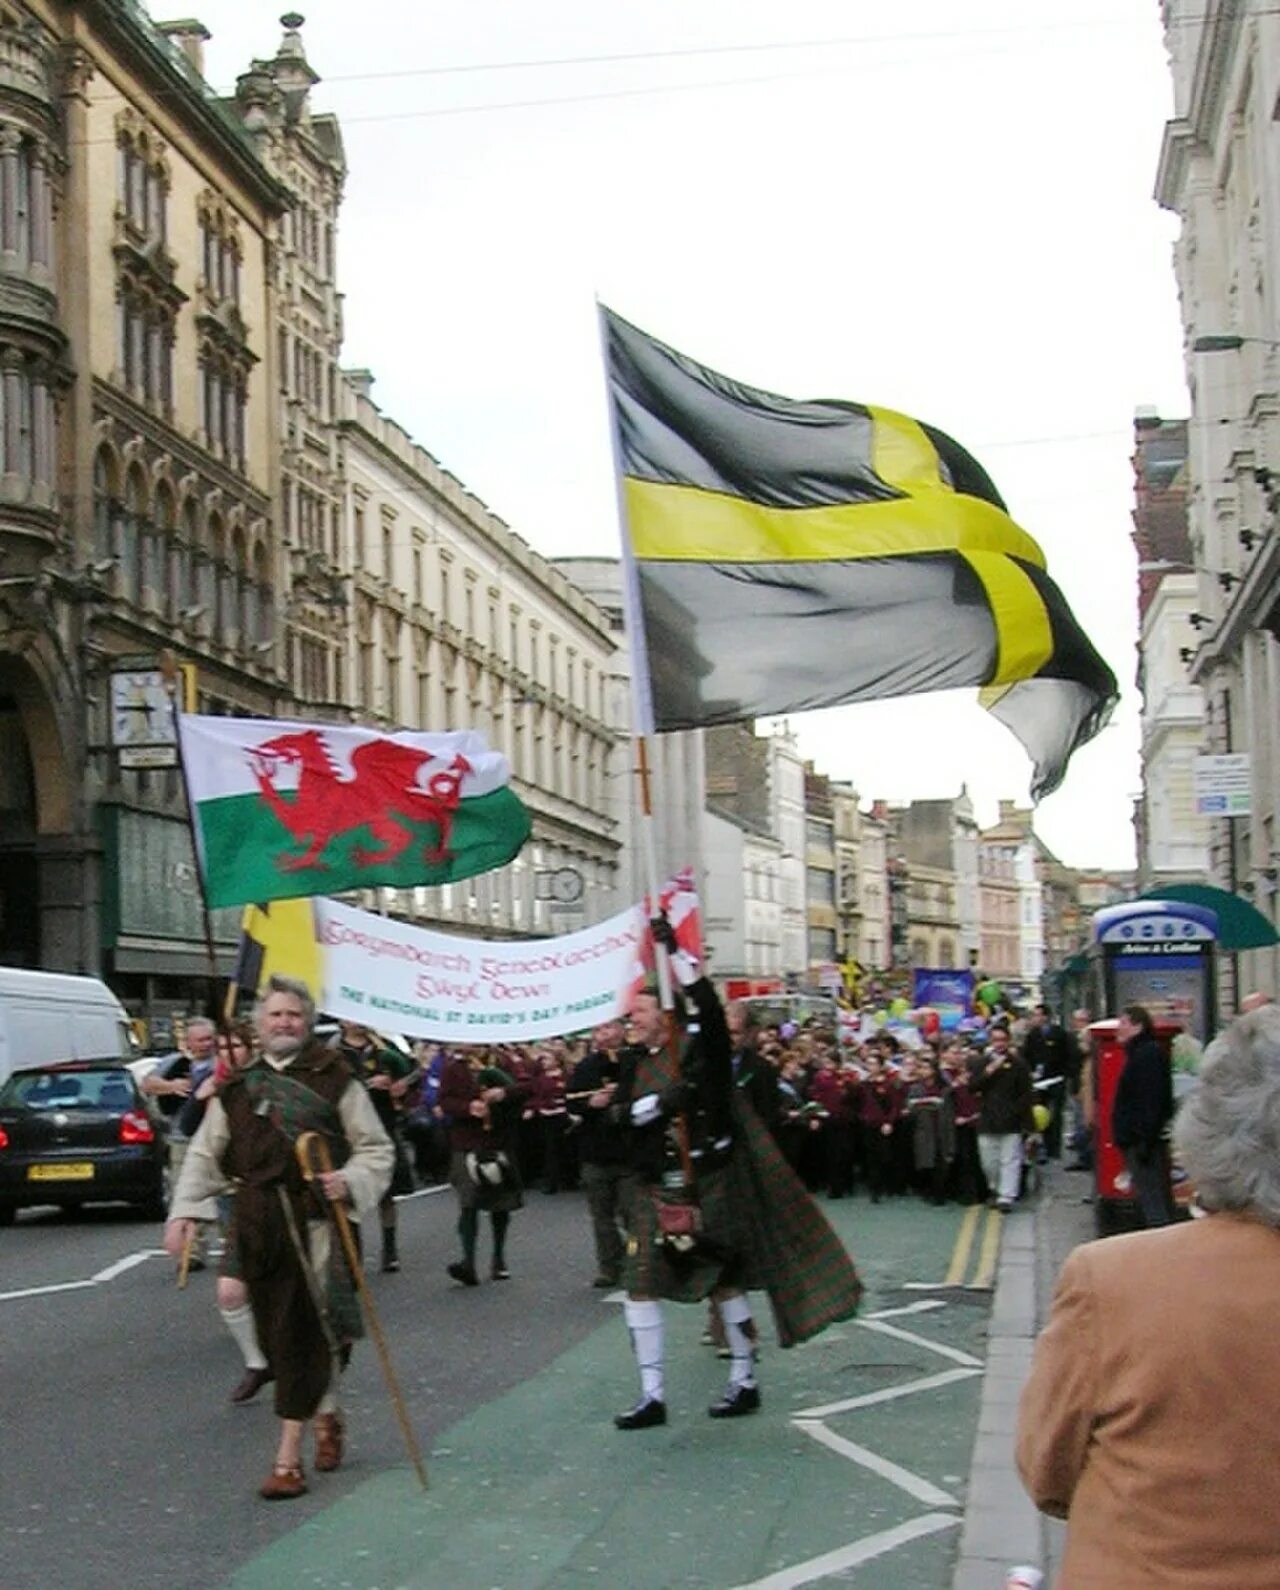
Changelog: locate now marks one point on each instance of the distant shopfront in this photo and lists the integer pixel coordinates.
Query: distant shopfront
(153, 937)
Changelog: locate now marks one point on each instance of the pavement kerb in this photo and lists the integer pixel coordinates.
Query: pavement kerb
(1001, 1527)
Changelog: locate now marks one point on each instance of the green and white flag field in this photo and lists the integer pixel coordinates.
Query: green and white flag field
(286, 809)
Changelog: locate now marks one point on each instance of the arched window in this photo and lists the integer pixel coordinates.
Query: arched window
(170, 580)
(220, 580)
(240, 616)
(132, 529)
(261, 629)
(104, 496)
(190, 559)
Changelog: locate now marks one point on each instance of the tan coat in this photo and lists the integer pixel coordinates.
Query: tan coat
(1151, 1420)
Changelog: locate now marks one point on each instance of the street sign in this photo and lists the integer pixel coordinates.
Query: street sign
(1223, 785)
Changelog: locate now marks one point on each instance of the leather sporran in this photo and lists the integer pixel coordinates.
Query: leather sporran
(679, 1225)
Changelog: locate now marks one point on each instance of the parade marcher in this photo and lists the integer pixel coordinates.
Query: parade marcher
(1141, 1112)
(1147, 1421)
(233, 1051)
(1003, 1083)
(752, 1073)
(484, 1104)
(388, 1075)
(304, 1305)
(552, 1116)
(879, 1107)
(602, 1149)
(933, 1129)
(1052, 1056)
(171, 1084)
(425, 1126)
(744, 1222)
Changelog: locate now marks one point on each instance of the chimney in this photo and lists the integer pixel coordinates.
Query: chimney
(190, 36)
(360, 382)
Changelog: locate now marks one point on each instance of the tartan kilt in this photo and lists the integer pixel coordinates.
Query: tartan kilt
(799, 1259)
(722, 1255)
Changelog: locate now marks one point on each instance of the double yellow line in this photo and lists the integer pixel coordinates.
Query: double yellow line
(988, 1252)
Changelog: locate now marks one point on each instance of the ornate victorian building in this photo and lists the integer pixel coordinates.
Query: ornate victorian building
(135, 502)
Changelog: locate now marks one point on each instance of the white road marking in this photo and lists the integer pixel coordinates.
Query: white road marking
(860, 1551)
(887, 1394)
(940, 1348)
(923, 1307)
(422, 1192)
(923, 1490)
(129, 1262)
(44, 1291)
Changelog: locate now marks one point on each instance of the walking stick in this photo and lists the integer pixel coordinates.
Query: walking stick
(184, 1264)
(313, 1156)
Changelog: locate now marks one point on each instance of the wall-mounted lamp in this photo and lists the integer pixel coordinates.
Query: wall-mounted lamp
(1263, 477)
(1186, 653)
(1227, 580)
(1248, 537)
(192, 615)
(1197, 620)
(263, 646)
(101, 566)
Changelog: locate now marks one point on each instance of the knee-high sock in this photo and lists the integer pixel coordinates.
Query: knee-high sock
(740, 1330)
(644, 1321)
(501, 1219)
(239, 1321)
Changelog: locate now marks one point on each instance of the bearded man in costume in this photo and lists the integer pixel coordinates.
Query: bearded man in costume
(302, 1295)
(696, 1142)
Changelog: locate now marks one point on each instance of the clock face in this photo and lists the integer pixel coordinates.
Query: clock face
(566, 885)
(141, 711)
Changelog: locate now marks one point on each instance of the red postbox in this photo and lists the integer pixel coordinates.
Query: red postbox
(1114, 1206)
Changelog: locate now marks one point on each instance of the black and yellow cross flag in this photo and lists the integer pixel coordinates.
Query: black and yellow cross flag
(785, 555)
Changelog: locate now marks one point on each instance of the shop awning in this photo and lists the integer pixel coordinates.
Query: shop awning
(1241, 926)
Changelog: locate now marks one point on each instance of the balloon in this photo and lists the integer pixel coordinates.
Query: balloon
(1041, 1116)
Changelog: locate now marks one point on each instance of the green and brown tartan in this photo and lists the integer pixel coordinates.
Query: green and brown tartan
(803, 1265)
(761, 1231)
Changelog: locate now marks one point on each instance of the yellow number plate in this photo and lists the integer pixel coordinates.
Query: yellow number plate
(73, 1170)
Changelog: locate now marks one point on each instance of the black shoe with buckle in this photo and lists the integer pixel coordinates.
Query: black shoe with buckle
(736, 1402)
(466, 1273)
(644, 1416)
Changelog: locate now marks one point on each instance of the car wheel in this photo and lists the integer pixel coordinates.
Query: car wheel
(156, 1207)
(8, 1213)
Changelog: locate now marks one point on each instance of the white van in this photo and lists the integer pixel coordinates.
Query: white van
(51, 1016)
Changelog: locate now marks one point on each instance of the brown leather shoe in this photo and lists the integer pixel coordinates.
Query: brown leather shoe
(252, 1383)
(329, 1433)
(283, 1484)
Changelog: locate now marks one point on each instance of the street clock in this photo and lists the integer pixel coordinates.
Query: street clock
(142, 728)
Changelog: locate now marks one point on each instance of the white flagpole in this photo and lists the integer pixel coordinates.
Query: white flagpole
(641, 689)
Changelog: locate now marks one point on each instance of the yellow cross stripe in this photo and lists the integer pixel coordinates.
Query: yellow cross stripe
(688, 524)
(990, 1252)
(1024, 635)
(964, 1241)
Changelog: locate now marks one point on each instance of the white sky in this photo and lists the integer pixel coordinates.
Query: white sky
(944, 209)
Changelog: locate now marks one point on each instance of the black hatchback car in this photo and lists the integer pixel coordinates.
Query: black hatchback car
(79, 1133)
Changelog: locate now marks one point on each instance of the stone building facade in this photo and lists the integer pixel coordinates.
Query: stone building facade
(139, 435)
(458, 623)
(1219, 173)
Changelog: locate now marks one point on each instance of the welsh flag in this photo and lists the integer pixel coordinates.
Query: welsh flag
(282, 809)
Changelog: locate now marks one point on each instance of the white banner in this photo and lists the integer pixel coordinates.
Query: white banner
(411, 980)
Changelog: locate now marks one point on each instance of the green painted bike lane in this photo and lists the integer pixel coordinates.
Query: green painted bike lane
(537, 1489)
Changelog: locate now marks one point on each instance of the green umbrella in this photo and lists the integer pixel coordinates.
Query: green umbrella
(1241, 926)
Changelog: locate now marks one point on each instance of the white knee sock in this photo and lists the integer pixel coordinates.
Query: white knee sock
(328, 1403)
(239, 1321)
(644, 1321)
(739, 1330)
